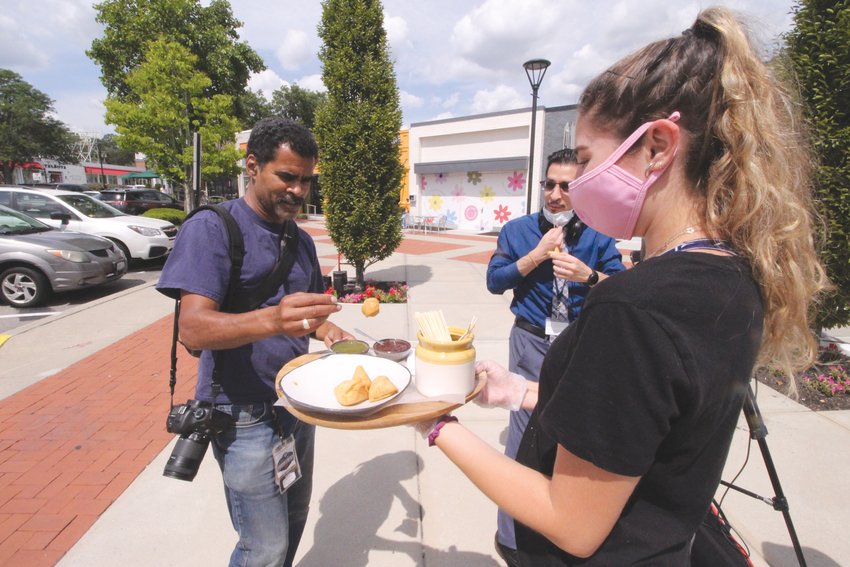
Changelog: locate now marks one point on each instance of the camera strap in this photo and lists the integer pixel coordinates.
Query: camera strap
(237, 301)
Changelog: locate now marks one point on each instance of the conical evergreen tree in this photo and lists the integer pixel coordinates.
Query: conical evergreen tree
(818, 48)
(358, 133)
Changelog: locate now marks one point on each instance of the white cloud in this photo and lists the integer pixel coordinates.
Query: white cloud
(410, 101)
(294, 50)
(451, 101)
(17, 51)
(444, 116)
(312, 83)
(266, 82)
(83, 111)
(397, 33)
(500, 98)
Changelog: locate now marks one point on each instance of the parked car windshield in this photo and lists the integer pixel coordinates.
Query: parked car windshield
(91, 207)
(13, 222)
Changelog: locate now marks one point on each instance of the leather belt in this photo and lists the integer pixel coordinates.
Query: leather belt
(531, 328)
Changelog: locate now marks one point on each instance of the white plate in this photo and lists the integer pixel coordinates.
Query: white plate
(311, 387)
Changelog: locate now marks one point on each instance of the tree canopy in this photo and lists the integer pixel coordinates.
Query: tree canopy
(297, 104)
(170, 103)
(818, 53)
(210, 34)
(27, 128)
(358, 133)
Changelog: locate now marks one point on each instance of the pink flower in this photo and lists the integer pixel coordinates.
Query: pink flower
(516, 182)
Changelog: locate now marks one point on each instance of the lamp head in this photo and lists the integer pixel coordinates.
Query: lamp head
(535, 69)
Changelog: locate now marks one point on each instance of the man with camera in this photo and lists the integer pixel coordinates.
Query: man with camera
(265, 454)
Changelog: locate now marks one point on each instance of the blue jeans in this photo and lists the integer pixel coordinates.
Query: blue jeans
(526, 357)
(269, 523)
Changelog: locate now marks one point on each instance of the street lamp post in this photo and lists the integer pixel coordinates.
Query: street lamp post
(100, 159)
(534, 69)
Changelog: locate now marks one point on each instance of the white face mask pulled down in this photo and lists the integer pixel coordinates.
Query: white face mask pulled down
(558, 219)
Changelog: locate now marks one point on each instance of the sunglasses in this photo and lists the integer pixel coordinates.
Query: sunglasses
(549, 185)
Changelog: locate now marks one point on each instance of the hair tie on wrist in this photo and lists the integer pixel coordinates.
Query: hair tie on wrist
(432, 437)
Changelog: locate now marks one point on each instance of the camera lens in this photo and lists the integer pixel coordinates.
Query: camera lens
(185, 459)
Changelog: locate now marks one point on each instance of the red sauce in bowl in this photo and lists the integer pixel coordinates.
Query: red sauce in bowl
(391, 345)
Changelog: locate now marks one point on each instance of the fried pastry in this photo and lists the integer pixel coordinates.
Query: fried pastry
(361, 376)
(351, 392)
(381, 388)
(370, 307)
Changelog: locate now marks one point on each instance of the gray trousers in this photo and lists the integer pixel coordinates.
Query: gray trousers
(525, 358)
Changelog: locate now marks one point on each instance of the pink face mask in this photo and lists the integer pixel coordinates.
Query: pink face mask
(608, 198)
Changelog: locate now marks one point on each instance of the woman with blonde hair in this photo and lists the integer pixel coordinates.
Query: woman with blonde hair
(691, 144)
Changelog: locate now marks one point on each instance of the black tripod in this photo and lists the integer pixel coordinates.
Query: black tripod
(758, 431)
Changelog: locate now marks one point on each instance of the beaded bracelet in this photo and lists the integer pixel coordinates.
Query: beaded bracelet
(432, 437)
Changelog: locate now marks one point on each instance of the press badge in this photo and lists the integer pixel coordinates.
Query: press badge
(286, 468)
(554, 328)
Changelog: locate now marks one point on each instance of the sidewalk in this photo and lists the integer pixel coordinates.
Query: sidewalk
(83, 399)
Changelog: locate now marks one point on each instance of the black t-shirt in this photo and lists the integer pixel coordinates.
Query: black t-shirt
(649, 382)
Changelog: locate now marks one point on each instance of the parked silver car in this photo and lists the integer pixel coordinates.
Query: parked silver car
(37, 260)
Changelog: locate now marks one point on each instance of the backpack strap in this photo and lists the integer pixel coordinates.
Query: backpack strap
(277, 276)
(236, 250)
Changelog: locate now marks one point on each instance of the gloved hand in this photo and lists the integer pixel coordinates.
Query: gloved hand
(502, 389)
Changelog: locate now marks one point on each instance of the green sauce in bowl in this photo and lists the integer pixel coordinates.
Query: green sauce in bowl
(350, 347)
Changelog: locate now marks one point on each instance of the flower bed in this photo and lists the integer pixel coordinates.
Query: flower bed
(825, 386)
(384, 292)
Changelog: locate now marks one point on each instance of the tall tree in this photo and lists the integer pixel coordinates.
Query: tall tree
(172, 104)
(298, 104)
(818, 49)
(112, 153)
(358, 133)
(253, 106)
(27, 129)
(210, 34)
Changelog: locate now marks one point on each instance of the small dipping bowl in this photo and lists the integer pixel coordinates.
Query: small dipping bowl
(393, 349)
(350, 346)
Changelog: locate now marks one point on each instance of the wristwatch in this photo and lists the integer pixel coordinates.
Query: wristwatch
(593, 278)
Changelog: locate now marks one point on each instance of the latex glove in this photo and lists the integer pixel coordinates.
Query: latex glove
(502, 389)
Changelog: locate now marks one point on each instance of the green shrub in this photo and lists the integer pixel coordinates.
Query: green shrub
(171, 215)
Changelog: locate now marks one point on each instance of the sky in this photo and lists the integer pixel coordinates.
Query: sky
(452, 57)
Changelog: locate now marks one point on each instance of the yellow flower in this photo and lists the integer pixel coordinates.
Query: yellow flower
(487, 194)
(435, 202)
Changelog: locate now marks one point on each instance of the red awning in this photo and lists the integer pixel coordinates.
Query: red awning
(32, 165)
(108, 171)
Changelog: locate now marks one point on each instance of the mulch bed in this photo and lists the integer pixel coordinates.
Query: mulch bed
(807, 395)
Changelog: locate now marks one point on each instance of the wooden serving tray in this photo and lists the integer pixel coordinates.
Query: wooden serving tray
(390, 416)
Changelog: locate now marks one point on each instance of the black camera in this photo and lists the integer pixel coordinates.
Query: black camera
(195, 422)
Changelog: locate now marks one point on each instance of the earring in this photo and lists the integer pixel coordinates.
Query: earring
(649, 169)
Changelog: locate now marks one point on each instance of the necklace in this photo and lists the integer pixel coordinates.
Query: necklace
(669, 241)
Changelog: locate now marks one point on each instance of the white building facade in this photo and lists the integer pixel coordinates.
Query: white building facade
(474, 170)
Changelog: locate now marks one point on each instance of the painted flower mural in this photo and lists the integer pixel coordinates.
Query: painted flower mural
(457, 194)
(451, 217)
(442, 177)
(516, 182)
(487, 194)
(423, 183)
(502, 214)
(473, 177)
(471, 213)
(435, 203)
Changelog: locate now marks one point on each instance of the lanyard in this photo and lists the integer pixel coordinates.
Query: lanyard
(703, 244)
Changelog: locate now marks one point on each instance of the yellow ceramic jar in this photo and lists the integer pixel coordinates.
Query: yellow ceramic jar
(445, 368)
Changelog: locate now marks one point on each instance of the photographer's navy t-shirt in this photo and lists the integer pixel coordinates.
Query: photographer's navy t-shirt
(200, 264)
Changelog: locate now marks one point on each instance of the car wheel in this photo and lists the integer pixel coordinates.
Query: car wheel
(24, 287)
(124, 250)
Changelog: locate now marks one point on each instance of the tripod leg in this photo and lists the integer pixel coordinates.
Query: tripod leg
(758, 431)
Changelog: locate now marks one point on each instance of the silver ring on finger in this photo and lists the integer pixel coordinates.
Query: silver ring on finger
(305, 324)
